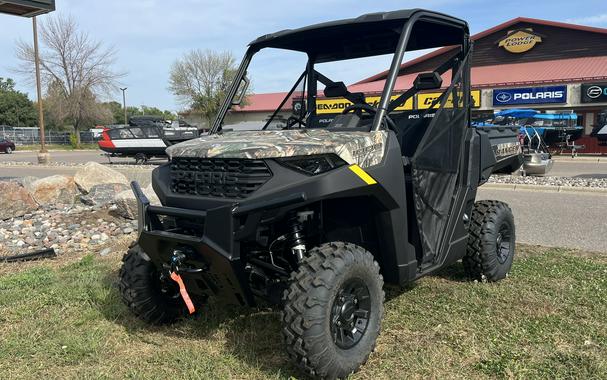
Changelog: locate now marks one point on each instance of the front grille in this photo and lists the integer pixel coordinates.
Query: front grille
(218, 177)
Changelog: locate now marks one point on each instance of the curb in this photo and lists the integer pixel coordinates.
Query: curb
(600, 159)
(545, 188)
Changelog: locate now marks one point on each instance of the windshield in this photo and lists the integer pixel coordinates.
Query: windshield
(279, 83)
(294, 82)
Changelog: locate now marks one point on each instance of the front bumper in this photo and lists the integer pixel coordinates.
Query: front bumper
(222, 272)
(213, 265)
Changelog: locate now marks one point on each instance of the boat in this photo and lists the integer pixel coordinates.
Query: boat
(553, 128)
(144, 139)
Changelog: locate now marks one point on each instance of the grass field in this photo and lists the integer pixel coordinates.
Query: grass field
(64, 319)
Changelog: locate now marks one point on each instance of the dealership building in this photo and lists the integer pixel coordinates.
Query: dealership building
(523, 63)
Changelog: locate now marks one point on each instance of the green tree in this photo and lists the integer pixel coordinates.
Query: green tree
(16, 109)
(200, 80)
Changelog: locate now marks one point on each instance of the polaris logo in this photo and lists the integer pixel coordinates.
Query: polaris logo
(530, 95)
(539, 95)
(503, 97)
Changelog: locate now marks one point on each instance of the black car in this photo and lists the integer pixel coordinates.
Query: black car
(6, 145)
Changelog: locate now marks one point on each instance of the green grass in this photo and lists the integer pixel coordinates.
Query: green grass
(547, 320)
(56, 147)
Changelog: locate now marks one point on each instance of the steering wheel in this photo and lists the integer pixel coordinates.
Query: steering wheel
(371, 111)
(292, 120)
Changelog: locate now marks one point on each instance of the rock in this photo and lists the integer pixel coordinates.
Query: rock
(56, 190)
(126, 205)
(27, 182)
(105, 252)
(103, 194)
(15, 200)
(94, 173)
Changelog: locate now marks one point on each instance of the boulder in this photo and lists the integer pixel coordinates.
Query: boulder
(15, 200)
(54, 190)
(103, 194)
(126, 205)
(94, 173)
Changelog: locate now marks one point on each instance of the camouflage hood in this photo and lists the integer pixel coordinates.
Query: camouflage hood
(362, 148)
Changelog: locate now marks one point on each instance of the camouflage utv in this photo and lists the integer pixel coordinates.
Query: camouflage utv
(316, 216)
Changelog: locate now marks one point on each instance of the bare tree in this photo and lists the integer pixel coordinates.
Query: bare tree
(75, 69)
(200, 80)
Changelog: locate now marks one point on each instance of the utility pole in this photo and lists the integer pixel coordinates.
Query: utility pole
(43, 156)
(124, 104)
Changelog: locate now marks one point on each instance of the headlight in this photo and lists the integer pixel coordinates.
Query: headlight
(312, 165)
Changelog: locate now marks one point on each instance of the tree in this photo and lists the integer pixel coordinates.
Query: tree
(16, 109)
(75, 69)
(200, 80)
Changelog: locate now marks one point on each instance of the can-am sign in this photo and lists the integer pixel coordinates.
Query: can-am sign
(530, 95)
(594, 93)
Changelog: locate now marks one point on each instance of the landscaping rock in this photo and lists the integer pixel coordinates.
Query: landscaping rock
(103, 194)
(15, 200)
(56, 190)
(94, 173)
(126, 205)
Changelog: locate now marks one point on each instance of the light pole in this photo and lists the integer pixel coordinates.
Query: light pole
(124, 104)
(43, 156)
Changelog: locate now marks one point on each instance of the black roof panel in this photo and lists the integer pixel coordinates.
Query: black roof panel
(366, 35)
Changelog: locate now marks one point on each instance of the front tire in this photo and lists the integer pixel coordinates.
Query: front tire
(8, 150)
(491, 241)
(333, 310)
(148, 295)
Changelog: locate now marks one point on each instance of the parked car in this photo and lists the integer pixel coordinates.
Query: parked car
(6, 145)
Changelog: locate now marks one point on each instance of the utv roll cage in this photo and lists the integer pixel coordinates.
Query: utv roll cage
(364, 36)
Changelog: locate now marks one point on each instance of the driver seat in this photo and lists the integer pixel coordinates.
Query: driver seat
(339, 90)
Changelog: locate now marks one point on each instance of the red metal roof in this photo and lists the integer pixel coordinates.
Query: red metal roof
(263, 102)
(516, 74)
(485, 33)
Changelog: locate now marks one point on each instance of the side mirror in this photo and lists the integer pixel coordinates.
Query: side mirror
(242, 90)
(428, 81)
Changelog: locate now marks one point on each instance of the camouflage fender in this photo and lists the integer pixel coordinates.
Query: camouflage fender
(362, 148)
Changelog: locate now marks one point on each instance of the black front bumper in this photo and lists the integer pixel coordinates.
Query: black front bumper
(215, 248)
(222, 275)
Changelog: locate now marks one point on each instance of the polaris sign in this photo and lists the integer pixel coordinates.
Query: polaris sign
(531, 95)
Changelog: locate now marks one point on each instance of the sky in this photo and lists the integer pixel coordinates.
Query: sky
(149, 35)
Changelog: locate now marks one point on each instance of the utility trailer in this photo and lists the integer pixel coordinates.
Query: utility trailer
(315, 219)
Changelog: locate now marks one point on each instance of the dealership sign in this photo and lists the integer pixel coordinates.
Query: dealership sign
(520, 40)
(530, 95)
(594, 93)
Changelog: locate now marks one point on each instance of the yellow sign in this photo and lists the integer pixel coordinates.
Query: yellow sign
(520, 41)
(424, 101)
(333, 106)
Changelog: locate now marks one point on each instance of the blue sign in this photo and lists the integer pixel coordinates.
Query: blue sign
(530, 95)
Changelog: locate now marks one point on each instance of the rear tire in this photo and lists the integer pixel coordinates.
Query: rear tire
(147, 296)
(491, 241)
(333, 310)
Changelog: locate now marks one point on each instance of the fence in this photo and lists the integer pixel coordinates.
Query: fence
(31, 136)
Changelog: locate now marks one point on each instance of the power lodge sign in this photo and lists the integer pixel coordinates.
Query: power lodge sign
(520, 40)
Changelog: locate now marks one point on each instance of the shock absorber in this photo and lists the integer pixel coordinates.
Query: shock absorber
(296, 238)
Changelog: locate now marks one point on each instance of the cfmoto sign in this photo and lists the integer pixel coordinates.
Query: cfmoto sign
(594, 92)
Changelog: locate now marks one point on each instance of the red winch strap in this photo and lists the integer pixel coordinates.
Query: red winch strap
(184, 293)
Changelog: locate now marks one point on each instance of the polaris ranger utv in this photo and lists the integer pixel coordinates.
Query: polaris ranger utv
(315, 217)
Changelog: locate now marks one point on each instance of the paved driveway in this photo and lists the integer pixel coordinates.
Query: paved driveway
(574, 220)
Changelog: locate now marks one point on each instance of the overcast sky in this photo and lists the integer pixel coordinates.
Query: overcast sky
(150, 34)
